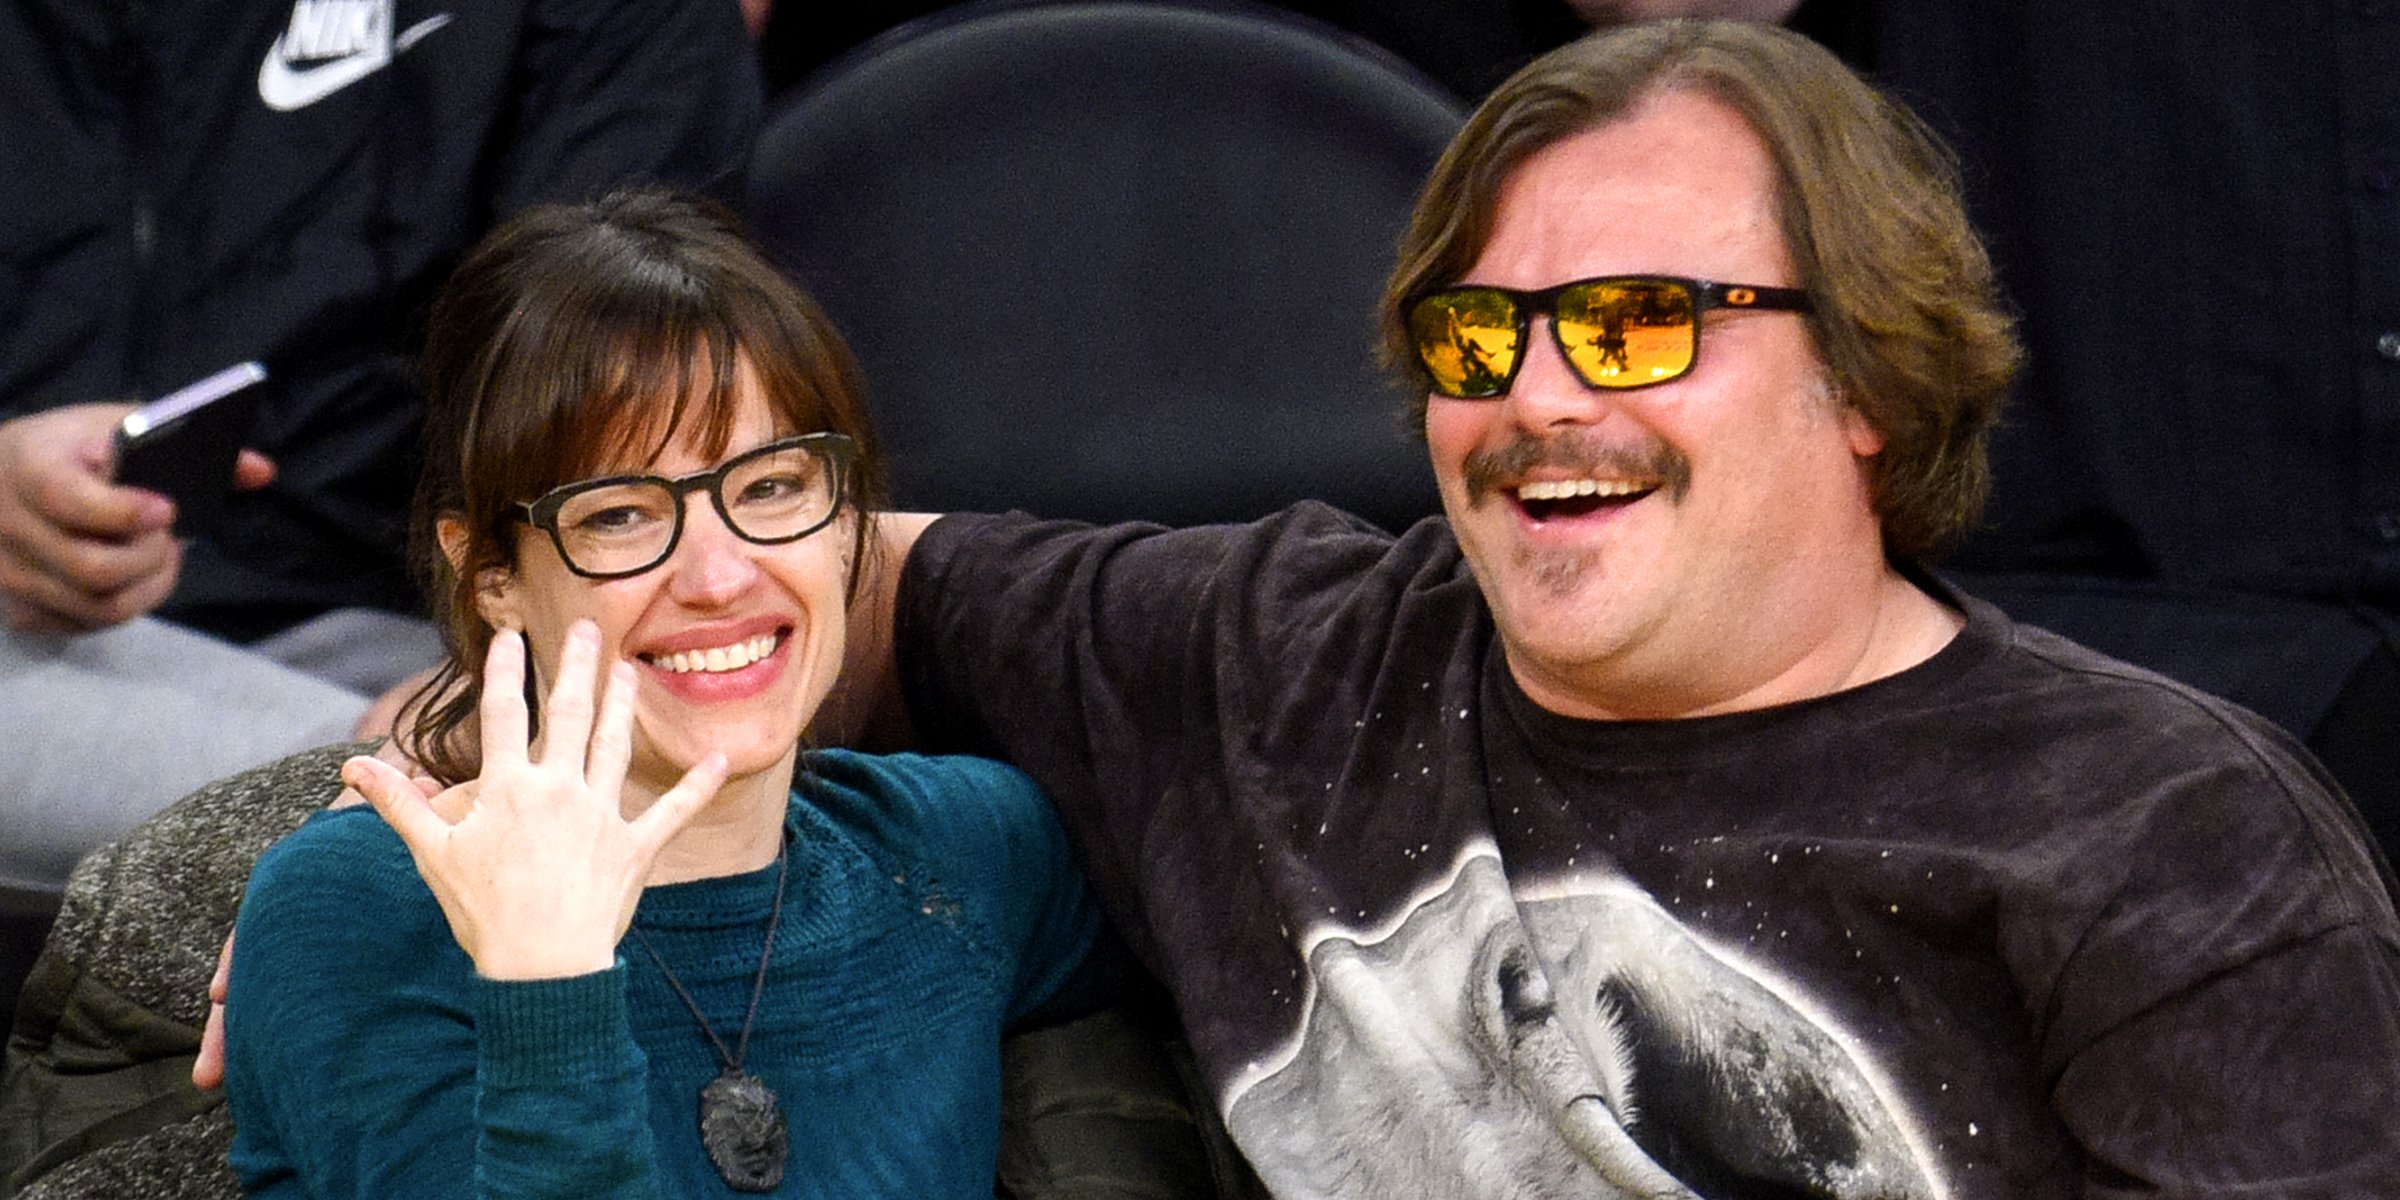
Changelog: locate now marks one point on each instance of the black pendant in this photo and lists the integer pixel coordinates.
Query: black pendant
(742, 1127)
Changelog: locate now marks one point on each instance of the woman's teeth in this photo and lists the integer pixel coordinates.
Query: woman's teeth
(716, 658)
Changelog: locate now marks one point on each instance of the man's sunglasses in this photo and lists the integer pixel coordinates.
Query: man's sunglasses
(1616, 331)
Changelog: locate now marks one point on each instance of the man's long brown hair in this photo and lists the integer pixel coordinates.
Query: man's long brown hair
(1908, 318)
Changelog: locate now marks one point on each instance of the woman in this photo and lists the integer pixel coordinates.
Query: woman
(641, 503)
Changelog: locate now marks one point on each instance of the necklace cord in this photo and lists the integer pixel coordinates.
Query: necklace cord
(732, 1059)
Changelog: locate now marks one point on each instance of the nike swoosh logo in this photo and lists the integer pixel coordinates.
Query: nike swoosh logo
(285, 87)
(416, 33)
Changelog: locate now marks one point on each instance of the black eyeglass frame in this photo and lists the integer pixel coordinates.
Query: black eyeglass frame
(1706, 294)
(837, 450)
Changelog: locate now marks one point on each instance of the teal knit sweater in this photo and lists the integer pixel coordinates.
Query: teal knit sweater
(931, 902)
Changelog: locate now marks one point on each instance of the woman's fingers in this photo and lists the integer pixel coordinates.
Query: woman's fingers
(208, 1068)
(567, 713)
(404, 807)
(663, 820)
(501, 711)
(612, 739)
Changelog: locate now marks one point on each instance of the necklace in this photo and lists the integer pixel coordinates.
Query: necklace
(741, 1124)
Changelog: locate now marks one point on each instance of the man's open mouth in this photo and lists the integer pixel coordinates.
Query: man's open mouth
(1557, 499)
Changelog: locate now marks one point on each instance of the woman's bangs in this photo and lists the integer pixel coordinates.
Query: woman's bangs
(655, 383)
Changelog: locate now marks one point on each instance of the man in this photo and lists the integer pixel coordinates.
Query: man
(194, 185)
(1656, 826)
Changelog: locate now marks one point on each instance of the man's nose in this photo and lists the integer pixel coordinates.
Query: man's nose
(1547, 392)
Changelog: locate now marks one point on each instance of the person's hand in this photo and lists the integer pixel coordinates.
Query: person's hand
(533, 863)
(77, 552)
(208, 1069)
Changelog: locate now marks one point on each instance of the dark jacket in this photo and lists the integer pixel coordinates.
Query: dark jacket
(188, 183)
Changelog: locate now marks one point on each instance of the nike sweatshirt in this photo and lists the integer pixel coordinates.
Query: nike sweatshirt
(189, 183)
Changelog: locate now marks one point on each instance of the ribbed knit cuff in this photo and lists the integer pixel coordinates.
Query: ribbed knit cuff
(534, 1031)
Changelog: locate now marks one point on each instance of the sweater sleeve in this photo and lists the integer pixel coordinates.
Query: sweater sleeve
(365, 1058)
(1048, 921)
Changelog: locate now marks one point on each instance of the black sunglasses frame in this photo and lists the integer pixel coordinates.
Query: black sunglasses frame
(836, 449)
(1706, 294)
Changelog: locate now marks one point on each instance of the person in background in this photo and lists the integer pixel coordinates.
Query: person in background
(194, 185)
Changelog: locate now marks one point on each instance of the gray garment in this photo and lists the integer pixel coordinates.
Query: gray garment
(95, 1094)
(99, 731)
(366, 650)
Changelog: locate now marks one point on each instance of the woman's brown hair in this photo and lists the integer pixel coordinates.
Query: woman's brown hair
(575, 340)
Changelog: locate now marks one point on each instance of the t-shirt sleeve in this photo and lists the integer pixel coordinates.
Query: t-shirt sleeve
(1076, 653)
(365, 1058)
(2230, 1022)
(1036, 640)
(2275, 1078)
(1121, 665)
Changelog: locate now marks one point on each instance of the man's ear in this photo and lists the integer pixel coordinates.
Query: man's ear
(1866, 441)
(495, 586)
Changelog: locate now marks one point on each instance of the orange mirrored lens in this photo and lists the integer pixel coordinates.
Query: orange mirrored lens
(1627, 333)
(1467, 341)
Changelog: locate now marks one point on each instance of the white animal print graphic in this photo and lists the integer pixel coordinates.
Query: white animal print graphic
(1568, 1041)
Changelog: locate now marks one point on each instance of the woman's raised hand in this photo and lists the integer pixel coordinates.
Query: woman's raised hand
(533, 862)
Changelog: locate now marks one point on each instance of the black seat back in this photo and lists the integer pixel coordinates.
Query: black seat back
(1114, 260)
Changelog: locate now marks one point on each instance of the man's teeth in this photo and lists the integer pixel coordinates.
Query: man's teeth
(1568, 489)
(716, 658)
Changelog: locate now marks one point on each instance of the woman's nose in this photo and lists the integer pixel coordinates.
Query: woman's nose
(712, 564)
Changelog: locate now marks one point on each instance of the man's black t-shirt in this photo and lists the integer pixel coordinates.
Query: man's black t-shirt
(2020, 921)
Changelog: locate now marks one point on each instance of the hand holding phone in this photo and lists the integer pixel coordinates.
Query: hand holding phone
(184, 443)
(77, 552)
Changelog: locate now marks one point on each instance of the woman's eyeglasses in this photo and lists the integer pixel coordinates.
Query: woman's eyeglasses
(624, 525)
(1616, 331)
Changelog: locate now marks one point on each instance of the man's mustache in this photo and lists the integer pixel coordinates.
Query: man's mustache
(1582, 454)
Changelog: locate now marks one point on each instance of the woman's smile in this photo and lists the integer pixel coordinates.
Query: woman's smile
(719, 662)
